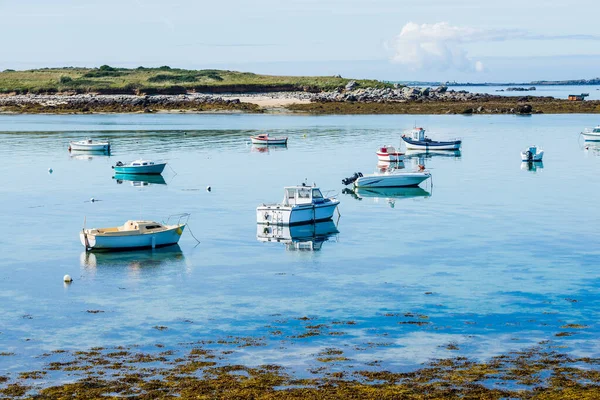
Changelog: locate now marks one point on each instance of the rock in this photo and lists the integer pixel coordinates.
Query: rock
(351, 85)
(480, 109)
(467, 111)
(524, 109)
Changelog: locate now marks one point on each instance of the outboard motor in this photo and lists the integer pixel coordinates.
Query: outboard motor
(352, 179)
(118, 164)
(529, 155)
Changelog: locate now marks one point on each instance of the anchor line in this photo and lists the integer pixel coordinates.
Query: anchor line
(191, 233)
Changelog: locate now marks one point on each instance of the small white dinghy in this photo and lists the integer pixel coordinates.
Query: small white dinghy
(264, 138)
(591, 135)
(301, 205)
(145, 167)
(133, 235)
(389, 153)
(388, 179)
(532, 154)
(89, 145)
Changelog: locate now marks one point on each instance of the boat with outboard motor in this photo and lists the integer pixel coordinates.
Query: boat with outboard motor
(591, 135)
(89, 145)
(140, 167)
(389, 153)
(300, 205)
(388, 179)
(532, 154)
(416, 140)
(264, 138)
(134, 234)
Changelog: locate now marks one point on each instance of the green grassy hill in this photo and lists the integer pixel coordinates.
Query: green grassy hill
(165, 80)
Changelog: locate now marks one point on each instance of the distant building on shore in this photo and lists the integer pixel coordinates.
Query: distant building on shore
(578, 97)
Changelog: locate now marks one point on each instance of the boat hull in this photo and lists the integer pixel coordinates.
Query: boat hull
(105, 147)
(405, 179)
(300, 214)
(591, 137)
(269, 141)
(536, 157)
(431, 145)
(127, 242)
(155, 169)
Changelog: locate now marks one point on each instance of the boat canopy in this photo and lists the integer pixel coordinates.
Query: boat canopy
(296, 195)
(417, 134)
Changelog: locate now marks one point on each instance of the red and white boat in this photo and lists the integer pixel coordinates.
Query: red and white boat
(389, 153)
(264, 138)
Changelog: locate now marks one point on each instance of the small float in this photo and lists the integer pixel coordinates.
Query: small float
(390, 154)
(134, 234)
(89, 145)
(140, 167)
(532, 154)
(591, 135)
(301, 204)
(388, 179)
(416, 140)
(264, 138)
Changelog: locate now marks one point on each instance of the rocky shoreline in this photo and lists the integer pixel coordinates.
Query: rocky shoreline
(399, 99)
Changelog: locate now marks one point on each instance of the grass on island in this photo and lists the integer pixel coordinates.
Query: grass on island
(167, 80)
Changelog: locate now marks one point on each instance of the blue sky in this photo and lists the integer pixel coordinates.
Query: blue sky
(462, 40)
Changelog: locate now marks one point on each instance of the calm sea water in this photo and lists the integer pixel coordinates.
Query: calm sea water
(557, 91)
(494, 256)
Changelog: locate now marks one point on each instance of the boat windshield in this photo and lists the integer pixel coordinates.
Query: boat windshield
(596, 130)
(316, 194)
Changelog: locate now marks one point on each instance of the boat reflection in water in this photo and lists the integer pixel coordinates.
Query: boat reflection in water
(307, 237)
(140, 179)
(136, 261)
(264, 148)
(383, 166)
(88, 155)
(388, 194)
(592, 148)
(432, 153)
(532, 165)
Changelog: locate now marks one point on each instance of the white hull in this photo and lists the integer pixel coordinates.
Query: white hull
(400, 179)
(292, 215)
(77, 146)
(122, 242)
(154, 169)
(591, 137)
(270, 141)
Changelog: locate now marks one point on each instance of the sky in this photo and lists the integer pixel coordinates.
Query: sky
(395, 40)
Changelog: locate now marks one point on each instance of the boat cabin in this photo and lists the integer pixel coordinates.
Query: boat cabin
(299, 195)
(139, 163)
(417, 134)
(596, 129)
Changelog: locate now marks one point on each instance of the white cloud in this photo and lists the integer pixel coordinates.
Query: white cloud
(441, 46)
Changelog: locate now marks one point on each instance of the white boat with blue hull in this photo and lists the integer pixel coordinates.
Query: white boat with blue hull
(140, 167)
(416, 140)
(591, 135)
(133, 235)
(388, 179)
(301, 205)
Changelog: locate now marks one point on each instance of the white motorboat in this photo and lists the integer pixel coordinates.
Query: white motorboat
(390, 154)
(532, 154)
(89, 145)
(307, 237)
(140, 167)
(416, 140)
(388, 179)
(591, 135)
(264, 138)
(133, 234)
(301, 204)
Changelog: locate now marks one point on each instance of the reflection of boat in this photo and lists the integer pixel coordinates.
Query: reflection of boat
(89, 145)
(261, 148)
(383, 166)
(301, 204)
(307, 237)
(417, 140)
(133, 259)
(430, 153)
(88, 155)
(133, 235)
(264, 138)
(140, 180)
(591, 135)
(145, 167)
(389, 194)
(532, 154)
(387, 179)
(532, 165)
(389, 153)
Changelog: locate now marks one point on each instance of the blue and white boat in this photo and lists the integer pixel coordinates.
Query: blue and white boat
(591, 135)
(143, 167)
(390, 178)
(301, 205)
(416, 140)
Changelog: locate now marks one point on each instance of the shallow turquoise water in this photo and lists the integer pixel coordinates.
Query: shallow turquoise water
(495, 256)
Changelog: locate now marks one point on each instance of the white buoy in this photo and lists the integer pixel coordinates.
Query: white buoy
(67, 278)
(49, 170)
(208, 188)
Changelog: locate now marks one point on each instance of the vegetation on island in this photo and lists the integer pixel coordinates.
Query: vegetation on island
(162, 80)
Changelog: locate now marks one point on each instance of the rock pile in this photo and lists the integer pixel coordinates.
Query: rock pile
(399, 94)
